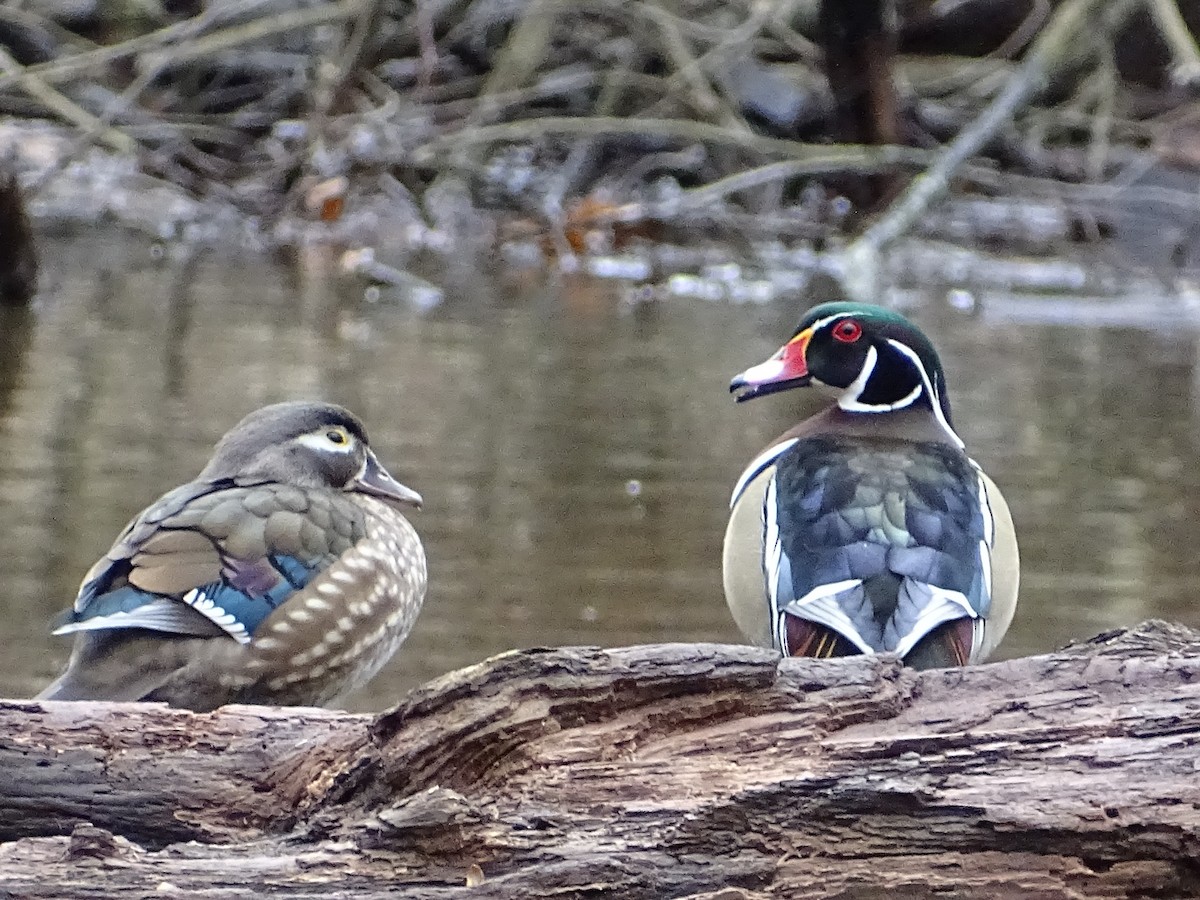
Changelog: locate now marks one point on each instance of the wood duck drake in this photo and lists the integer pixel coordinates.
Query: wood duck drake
(284, 574)
(867, 527)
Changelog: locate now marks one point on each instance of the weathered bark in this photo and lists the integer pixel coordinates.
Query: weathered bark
(649, 772)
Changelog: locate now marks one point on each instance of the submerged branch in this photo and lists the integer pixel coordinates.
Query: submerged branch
(1174, 29)
(1055, 48)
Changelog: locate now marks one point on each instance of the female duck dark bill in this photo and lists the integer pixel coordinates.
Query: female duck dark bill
(867, 527)
(284, 574)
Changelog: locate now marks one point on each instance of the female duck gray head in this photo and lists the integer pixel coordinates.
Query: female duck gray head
(308, 445)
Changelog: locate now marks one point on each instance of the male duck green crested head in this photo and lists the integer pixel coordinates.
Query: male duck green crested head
(875, 359)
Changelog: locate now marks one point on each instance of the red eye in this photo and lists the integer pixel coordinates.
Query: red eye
(847, 331)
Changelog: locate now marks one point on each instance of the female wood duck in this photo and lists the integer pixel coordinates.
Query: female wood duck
(867, 527)
(284, 574)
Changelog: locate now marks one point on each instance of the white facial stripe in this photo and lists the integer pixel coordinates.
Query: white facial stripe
(821, 323)
(849, 398)
(317, 441)
(933, 395)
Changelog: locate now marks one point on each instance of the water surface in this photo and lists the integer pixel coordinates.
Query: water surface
(575, 452)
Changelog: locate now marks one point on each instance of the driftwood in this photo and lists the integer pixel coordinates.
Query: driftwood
(650, 772)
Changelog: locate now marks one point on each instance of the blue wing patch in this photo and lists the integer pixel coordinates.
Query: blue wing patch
(237, 603)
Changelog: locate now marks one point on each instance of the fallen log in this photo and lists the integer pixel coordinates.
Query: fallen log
(663, 771)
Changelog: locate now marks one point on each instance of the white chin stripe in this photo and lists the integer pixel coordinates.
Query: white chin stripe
(852, 404)
(849, 400)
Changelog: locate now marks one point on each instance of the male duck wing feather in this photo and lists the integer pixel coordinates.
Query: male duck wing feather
(851, 513)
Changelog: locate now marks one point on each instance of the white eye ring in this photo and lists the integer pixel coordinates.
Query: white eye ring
(323, 443)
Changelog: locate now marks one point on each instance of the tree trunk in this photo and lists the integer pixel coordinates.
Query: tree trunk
(649, 772)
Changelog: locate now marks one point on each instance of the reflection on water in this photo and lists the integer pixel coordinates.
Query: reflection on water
(575, 457)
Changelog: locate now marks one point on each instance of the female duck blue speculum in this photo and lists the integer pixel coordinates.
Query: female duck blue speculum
(867, 527)
(284, 574)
